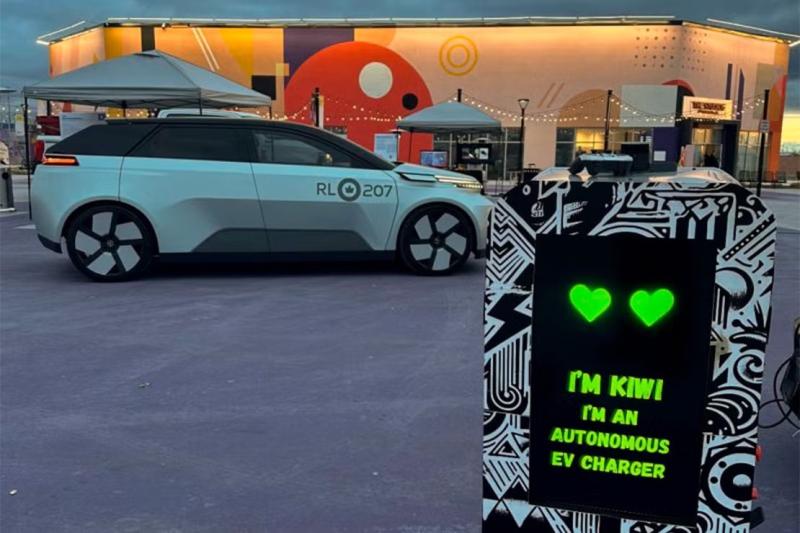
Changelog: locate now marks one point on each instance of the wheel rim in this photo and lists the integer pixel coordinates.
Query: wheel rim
(109, 243)
(439, 240)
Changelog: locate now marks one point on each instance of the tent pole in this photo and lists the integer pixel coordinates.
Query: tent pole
(450, 152)
(200, 106)
(27, 154)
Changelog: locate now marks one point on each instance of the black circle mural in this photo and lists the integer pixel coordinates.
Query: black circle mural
(410, 101)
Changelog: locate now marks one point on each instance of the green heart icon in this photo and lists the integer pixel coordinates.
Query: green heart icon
(651, 307)
(589, 303)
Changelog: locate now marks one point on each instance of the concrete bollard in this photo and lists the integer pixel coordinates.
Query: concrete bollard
(7, 192)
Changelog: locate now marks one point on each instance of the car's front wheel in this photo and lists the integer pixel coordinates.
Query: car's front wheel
(435, 240)
(110, 243)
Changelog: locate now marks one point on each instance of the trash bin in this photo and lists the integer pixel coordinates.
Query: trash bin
(6, 191)
(625, 325)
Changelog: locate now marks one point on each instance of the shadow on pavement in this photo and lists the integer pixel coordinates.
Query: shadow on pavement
(299, 268)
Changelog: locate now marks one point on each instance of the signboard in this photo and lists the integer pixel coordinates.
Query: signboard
(474, 153)
(19, 125)
(433, 158)
(620, 358)
(708, 108)
(386, 146)
(625, 326)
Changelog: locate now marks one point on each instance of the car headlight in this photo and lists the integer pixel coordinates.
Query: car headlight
(470, 184)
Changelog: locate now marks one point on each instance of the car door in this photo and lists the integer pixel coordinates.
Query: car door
(316, 197)
(195, 184)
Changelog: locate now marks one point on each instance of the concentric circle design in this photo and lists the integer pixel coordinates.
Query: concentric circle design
(729, 478)
(375, 79)
(458, 55)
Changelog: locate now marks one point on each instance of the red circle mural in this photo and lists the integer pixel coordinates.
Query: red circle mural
(360, 82)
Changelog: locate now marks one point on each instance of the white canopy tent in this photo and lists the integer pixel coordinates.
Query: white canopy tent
(449, 117)
(145, 80)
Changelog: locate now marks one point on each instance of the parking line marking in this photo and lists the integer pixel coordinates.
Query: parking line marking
(27, 226)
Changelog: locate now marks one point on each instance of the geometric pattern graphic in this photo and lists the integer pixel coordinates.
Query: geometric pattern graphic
(743, 232)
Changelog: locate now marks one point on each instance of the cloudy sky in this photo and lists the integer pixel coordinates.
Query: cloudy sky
(22, 61)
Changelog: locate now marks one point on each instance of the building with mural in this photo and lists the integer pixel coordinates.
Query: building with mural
(669, 91)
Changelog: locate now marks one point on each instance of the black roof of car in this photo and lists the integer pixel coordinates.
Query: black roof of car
(217, 121)
(95, 140)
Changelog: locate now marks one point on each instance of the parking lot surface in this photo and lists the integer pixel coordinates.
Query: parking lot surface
(295, 398)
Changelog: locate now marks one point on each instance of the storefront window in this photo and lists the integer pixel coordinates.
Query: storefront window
(565, 134)
(707, 136)
(505, 148)
(747, 155)
(707, 143)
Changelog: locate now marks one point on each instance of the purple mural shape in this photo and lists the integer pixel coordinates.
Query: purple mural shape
(301, 43)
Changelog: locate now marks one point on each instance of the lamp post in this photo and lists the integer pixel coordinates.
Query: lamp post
(605, 129)
(523, 104)
(761, 143)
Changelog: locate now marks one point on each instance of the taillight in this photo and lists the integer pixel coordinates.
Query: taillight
(60, 160)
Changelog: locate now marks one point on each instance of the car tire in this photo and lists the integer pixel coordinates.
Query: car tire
(435, 240)
(110, 243)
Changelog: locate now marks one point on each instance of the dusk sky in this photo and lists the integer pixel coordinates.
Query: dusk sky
(22, 61)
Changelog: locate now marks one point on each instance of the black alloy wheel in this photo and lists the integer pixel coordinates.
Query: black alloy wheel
(436, 240)
(110, 243)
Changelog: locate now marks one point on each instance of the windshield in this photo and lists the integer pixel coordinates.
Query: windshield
(355, 149)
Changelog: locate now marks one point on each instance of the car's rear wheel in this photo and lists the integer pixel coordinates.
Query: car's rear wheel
(435, 240)
(110, 243)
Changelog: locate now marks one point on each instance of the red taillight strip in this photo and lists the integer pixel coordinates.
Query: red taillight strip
(61, 160)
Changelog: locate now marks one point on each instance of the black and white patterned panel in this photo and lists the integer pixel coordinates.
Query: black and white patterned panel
(744, 233)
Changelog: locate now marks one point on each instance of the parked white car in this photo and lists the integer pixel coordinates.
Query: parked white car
(120, 195)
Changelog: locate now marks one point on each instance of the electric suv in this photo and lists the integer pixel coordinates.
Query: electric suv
(118, 196)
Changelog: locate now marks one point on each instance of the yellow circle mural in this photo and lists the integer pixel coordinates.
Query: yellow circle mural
(458, 55)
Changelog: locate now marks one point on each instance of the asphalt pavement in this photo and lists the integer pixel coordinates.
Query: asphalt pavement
(269, 398)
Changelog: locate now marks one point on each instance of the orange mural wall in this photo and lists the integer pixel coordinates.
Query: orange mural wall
(371, 76)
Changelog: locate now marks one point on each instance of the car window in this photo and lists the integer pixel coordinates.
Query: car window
(194, 142)
(288, 149)
(103, 139)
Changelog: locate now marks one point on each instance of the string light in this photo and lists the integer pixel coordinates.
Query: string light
(561, 115)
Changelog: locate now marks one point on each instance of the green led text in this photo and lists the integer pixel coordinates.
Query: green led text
(633, 387)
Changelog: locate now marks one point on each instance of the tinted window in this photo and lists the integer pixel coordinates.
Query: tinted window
(195, 142)
(289, 149)
(103, 139)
